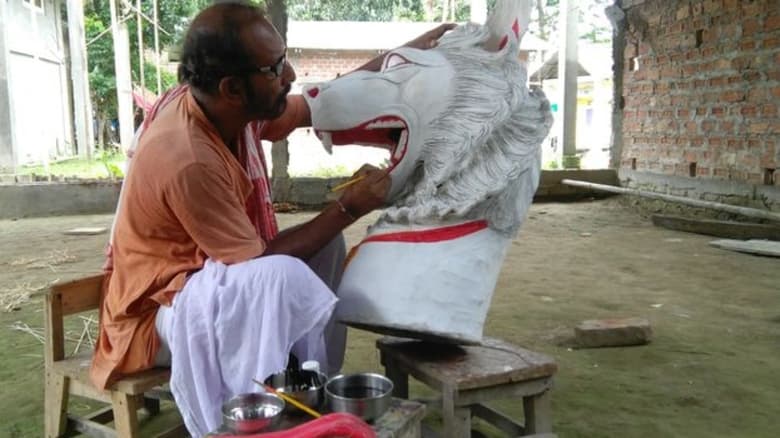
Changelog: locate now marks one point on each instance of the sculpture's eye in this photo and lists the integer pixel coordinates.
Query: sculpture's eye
(395, 60)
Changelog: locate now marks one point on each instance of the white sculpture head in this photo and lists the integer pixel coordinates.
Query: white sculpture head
(464, 134)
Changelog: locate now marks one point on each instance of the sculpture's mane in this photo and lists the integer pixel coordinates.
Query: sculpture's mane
(477, 156)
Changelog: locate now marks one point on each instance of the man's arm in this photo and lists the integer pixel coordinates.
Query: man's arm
(357, 200)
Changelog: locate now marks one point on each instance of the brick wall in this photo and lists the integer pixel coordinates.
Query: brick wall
(702, 89)
(323, 65)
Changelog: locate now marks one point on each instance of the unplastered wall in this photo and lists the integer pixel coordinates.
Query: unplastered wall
(701, 90)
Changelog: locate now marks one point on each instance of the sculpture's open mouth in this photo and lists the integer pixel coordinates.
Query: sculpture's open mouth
(388, 132)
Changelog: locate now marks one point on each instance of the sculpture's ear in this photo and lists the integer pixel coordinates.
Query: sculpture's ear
(508, 22)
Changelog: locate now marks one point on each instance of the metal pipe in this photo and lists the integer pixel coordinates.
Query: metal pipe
(745, 211)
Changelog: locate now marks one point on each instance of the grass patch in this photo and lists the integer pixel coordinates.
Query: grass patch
(103, 165)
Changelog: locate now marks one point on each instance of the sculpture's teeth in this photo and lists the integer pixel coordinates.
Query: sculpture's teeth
(386, 124)
(401, 147)
(327, 142)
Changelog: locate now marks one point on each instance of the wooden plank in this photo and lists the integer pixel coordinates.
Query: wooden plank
(125, 414)
(56, 404)
(493, 363)
(725, 229)
(504, 391)
(757, 247)
(85, 231)
(143, 381)
(90, 428)
(79, 295)
(102, 416)
(54, 348)
(178, 431)
(538, 413)
(497, 419)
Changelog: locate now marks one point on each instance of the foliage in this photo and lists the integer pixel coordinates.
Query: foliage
(368, 10)
(173, 16)
(105, 165)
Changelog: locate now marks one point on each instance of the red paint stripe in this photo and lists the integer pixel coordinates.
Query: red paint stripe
(430, 235)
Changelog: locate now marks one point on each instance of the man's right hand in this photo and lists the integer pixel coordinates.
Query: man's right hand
(367, 194)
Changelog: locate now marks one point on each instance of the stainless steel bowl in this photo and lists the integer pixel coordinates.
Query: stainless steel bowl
(252, 412)
(308, 387)
(366, 395)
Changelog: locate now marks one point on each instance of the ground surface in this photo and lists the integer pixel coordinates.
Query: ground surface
(711, 370)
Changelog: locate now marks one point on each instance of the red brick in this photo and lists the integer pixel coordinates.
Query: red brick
(776, 91)
(758, 127)
(727, 127)
(757, 95)
(769, 110)
(718, 111)
(750, 27)
(772, 23)
(748, 110)
(736, 96)
(747, 45)
(683, 113)
(718, 82)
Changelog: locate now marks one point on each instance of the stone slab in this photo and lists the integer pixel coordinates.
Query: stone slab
(758, 247)
(612, 332)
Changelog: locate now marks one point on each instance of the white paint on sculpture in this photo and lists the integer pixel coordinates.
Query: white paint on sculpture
(464, 133)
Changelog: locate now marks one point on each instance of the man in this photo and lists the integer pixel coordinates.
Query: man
(198, 270)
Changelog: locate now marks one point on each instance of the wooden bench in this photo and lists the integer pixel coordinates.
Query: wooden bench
(66, 376)
(469, 376)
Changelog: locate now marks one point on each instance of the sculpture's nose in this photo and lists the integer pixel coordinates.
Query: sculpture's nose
(313, 92)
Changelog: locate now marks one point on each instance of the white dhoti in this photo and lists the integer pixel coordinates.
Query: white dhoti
(231, 324)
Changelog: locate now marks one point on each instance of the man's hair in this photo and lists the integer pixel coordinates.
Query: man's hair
(213, 48)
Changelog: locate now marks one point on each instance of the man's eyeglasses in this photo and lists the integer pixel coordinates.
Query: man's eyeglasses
(275, 70)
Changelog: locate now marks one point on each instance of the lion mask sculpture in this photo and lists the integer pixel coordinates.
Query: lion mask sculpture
(464, 134)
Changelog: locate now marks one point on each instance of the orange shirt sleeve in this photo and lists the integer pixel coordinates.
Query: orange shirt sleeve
(211, 212)
(295, 115)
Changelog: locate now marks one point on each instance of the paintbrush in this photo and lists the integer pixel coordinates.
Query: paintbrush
(289, 399)
(343, 186)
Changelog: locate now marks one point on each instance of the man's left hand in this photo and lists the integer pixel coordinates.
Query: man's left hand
(430, 39)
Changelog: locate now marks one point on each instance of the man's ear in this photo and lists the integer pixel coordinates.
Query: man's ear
(232, 90)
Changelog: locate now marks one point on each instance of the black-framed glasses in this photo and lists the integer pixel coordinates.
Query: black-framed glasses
(275, 70)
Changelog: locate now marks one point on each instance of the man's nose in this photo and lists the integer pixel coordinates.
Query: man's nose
(288, 73)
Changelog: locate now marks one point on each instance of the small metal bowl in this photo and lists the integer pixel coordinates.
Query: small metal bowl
(366, 395)
(252, 412)
(308, 387)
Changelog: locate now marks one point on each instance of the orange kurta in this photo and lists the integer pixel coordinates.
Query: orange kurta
(183, 202)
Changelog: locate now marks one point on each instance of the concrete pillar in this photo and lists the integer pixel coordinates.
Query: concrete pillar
(567, 78)
(617, 17)
(82, 104)
(7, 151)
(124, 85)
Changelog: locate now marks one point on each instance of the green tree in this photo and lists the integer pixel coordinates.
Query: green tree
(173, 16)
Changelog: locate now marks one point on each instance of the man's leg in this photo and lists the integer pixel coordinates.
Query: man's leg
(328, 264)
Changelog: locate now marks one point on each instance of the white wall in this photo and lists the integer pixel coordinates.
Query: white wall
(37, 82)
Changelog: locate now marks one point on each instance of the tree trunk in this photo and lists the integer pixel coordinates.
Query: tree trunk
(445, 10)
(542, 19)
(430, 10)
(101, 131)
(280, 155)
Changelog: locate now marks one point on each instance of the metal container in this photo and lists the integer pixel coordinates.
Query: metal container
(252, 412)
(366, 395)
(308, 387)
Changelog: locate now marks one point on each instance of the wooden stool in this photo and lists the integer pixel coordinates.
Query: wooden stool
(67, 376)
(468, 376)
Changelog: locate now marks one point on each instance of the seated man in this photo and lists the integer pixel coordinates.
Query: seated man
(198, 271)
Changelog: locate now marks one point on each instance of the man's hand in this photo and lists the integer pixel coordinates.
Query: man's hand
(430, 39)
(367, 194)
